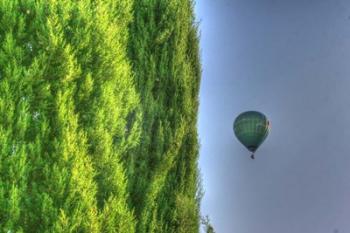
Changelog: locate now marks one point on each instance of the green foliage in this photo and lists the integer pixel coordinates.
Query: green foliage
(98, 112)
(65, 103)
(165, 57)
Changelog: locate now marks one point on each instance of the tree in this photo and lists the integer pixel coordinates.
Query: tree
(207, 226)
(108, 106)
(44, 145)
(98, 111)
(68, 113)
(164, 55)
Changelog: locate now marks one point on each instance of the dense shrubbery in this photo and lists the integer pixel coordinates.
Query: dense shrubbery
(98, 112)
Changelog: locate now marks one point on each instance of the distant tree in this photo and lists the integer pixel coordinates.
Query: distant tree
(207, 226)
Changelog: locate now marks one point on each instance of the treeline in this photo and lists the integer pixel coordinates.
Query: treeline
(98, 114)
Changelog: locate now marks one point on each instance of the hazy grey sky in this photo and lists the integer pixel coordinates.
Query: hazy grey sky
(290, 60)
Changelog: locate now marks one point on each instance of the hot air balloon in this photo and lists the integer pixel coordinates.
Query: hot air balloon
(251, 128)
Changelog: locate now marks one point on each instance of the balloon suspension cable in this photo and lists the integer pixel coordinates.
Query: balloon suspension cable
(252, 156)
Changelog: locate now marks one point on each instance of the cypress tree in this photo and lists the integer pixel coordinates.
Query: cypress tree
(45, 147)
(108, 108)
(98, 119)
(68, 113)
(164, 54)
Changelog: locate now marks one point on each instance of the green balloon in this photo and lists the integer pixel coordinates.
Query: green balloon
(251, 128)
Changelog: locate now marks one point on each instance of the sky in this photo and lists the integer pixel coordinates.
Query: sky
(291, 61)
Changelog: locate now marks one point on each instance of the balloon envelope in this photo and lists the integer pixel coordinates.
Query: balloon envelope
(251, 128)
